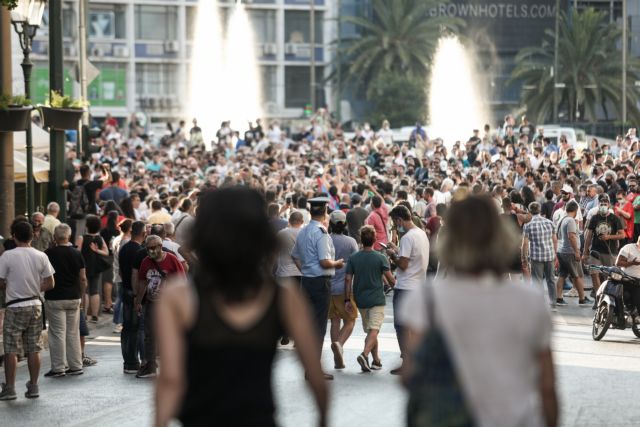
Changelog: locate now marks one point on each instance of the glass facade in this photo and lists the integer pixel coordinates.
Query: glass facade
(156, 22)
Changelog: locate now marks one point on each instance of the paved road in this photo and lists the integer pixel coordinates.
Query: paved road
(597, 383)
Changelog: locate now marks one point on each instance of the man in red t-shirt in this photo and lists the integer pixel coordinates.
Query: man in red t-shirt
(152, 275)
(624, 210)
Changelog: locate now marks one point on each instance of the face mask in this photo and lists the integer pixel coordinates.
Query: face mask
(400, 229)
(602, 210)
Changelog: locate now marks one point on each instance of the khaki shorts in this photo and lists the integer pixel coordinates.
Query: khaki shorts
(337, 308)
(22, 330)
(372, 318)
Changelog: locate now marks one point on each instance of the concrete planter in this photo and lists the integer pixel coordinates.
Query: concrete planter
(15, 119)
(61, 118)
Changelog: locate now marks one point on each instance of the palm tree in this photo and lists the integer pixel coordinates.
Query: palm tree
(590, 66)
(401, 36)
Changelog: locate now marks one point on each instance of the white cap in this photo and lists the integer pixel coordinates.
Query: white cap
(567, 189)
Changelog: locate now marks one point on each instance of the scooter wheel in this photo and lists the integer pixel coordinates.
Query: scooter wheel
(635, 328)
(601, 321)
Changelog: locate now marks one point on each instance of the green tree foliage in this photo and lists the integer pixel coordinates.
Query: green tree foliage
(400, 37)
(590, 66)
(397, 97)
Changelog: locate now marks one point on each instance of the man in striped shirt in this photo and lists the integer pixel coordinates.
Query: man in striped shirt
(539, 244)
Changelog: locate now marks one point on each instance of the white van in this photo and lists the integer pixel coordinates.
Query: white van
(577, 138)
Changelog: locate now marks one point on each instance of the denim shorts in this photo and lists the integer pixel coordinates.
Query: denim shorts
(84, 328)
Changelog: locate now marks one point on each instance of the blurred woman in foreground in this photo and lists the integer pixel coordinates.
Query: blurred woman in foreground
(218, 333)
(481, 345)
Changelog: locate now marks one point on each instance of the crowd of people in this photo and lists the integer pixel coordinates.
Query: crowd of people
(339, 222)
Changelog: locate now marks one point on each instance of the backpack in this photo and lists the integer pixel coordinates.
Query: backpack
(79, 201)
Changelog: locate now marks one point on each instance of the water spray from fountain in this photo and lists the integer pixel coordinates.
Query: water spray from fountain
(207, 75)
(242, 71)
(456, 100)
(225, 77)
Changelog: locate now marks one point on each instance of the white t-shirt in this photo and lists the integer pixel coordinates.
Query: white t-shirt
(24, 269)
(173, 247)
(495, 352)
(632, 253)
(415, 246)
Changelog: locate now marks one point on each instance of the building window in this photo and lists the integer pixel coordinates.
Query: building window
(107, 21)
(269, 84)
(297, 88)
(156, 79)
(156, 22)
(191, 22)
(264, 25)
(296, 27)
(69, 22)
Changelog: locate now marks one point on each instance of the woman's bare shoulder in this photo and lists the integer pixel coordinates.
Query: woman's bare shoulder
(179, 295)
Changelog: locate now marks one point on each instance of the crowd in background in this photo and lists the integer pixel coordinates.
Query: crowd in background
(132, 208)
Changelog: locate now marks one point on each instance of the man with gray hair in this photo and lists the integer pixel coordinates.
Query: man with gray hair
(42, 238)
(62, 304)
(153, 273)
(539, 246)
(51, 220)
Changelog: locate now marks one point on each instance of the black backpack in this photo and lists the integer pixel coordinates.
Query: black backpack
(79, 202)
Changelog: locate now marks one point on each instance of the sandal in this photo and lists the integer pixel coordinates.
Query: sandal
(107, 310)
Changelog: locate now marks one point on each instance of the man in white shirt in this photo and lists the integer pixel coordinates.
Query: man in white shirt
(412, 260)
(629, 260)
(24, 273)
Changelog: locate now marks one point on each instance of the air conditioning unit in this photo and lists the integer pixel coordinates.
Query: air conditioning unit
(121, 51)
(290, 49)
(303, 51)
(172, 47)
(97, 51)
(69, 50)
(269, 49)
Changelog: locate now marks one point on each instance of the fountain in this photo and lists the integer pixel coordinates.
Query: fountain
(225, 78)
(456, 102)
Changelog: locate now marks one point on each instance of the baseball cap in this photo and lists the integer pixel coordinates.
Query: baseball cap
(337, 217)
(567, 189)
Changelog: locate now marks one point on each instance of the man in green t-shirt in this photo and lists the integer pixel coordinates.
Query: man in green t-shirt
(363, 281)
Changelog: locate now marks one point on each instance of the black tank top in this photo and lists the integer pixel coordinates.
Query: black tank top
(229, 370)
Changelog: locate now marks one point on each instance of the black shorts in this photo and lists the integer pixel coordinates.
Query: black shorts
(569, 266)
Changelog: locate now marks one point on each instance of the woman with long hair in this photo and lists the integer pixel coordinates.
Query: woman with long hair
(480, 344)
(108, 233)
(217, 333)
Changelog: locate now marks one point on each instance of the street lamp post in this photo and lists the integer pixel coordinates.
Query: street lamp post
(26, 19)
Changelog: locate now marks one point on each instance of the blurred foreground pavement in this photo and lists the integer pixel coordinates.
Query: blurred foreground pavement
(597, 383)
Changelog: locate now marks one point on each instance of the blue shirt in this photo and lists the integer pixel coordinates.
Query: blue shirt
(313, 244)
(344, 247)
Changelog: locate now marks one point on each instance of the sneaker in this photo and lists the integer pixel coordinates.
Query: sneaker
(585, 302)
(573, 293)
(130, 371)
(146, 371)
(561, 301)
(397, 371)
(284, 340)
(88, 361)
(53, 374)
(74, 372)
(117, 329)
(387, 289)
(338, 359)
(376, 365)
(593, 293)
(93, 319)
(32, 391)
(7, 393)
(364, 363)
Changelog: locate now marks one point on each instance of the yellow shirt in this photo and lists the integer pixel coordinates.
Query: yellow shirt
(159, 217)
(50, 223)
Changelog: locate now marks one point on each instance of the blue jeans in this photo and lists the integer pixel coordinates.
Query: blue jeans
(543, 270)
(117, 306)
(132, 335)
(398, 294)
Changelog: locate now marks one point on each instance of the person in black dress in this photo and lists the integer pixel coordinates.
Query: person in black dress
(218, 331)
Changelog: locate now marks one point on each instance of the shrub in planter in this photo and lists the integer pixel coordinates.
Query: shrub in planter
(62, 112)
